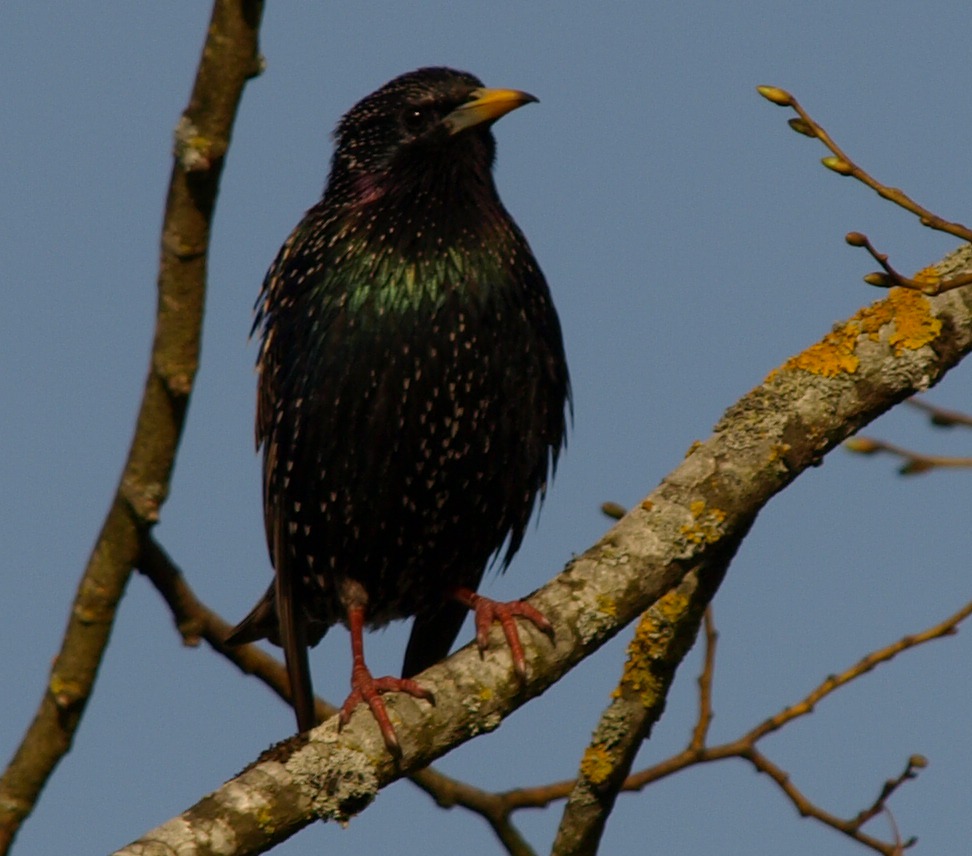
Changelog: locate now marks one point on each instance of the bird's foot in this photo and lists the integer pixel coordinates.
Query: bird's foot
(486, 611)
(368, 689)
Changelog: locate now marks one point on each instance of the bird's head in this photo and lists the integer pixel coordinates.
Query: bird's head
(433, 120)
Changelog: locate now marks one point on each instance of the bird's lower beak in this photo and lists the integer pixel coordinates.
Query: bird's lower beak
(486, 105)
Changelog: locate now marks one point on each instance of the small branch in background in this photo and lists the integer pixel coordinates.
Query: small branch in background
(915, 763)
(927, 281)
(948, 627)
(851, 828)
(939, 416)
(917, 462)
(913, 462)
(495, 808)
(701, 730)
(197, 622)
(841, 163)
(745, 747)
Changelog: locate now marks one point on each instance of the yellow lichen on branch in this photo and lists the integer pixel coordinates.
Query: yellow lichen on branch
(904, 316)
(915, 326)
(928, 276)
(707, 524)
(647, 647)
(831, 356)
(597, 764)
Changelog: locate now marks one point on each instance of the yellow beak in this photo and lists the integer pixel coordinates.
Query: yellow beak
(486, 105)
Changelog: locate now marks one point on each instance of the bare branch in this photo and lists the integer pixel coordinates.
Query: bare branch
(917, 462)
(842, 164)
(701, 730)
(745, 746)
(879, 806)
(195, 621)
(940, 417)
(864, 665)
(229, 58)
(807, 809)
(914, 462)
(928, 281)
(496, 809)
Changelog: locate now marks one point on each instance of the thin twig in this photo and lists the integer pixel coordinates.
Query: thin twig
(195, 621)
(806, 808)
(947, 627)
(914, 462)
(879, 806)
(928, 281)
(701, 730)
(844, 165)
(940, 417)
(496, 809)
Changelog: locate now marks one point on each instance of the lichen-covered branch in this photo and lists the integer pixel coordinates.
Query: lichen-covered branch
(229, 58)
(885, 353)
(195, 621)
(663, 637)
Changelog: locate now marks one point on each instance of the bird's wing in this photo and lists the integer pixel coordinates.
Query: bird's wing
(260, 623)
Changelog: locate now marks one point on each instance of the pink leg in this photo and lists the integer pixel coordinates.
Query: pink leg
(365, 688)
(487, 611)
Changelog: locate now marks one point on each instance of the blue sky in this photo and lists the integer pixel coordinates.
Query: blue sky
(692, 243)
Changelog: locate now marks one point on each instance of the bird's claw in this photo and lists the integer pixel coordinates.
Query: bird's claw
(368, 689)
(486, 611)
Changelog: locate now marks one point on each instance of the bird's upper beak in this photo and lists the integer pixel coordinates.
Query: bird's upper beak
(486, 105)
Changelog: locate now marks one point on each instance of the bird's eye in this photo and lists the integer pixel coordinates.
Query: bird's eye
(415, 119)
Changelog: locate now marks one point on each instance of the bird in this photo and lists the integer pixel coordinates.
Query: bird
(413, 392)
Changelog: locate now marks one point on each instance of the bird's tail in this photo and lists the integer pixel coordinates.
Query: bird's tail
(278, 616)
(293, 636)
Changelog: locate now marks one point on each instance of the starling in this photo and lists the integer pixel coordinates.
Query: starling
(412, 390)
